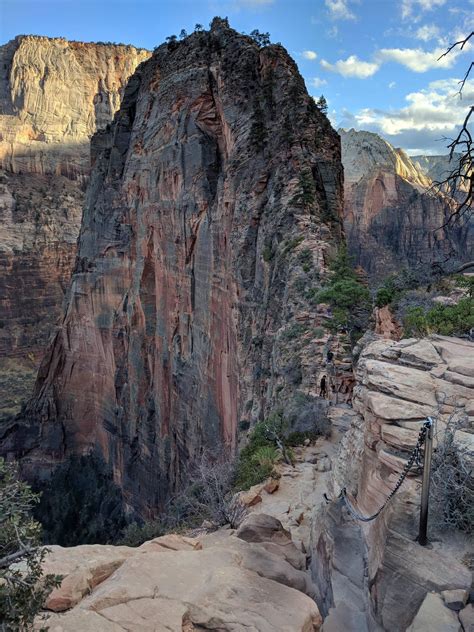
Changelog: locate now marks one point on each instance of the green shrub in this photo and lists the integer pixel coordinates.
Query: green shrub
(306, 194)
(23, 587)
(136, 534)
(305, 257)
(466, 282)
(298, 438)
(258, 130)
(291, 244)
(251, 473)
(267, 253)
(256, 460)
(295, 331)
(348, 298)
(447, 320)
(265, 456)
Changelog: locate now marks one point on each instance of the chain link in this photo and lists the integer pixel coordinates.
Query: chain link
(415, 458)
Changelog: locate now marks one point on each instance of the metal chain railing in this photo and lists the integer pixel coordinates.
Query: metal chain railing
(414, 458)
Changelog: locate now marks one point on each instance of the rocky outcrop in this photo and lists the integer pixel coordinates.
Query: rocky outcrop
(217, 176)
(227, 581)
(392, 216)
(54, 95)
(375, 575)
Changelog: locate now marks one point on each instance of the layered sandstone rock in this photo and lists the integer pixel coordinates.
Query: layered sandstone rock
(392, 216)
(227, 581)
(375, 574)
(217, 174)
(54, 95)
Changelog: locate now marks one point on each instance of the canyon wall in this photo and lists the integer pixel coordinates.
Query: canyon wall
(54, 94)
(217, 181)
(393, 218)
(374, 575)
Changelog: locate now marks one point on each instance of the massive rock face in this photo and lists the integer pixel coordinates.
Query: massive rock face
(217, 174)
(54, 95)
(374, 575)
(392, 217)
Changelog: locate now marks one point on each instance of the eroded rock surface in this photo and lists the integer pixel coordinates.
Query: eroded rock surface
(179, 321)
(392, 216)
(375, 574)
(183, 584)
(54, 95)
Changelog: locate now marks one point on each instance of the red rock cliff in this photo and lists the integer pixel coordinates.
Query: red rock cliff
(216, 181)
(393, 217)
(54, 95)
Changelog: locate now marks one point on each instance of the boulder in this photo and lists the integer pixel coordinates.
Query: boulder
(272, 485)
(455, 599)
(83, 568)
(466, 616)
(267, 530)
(433, 615)
(263, 528)
(251, 497)
(171, 542)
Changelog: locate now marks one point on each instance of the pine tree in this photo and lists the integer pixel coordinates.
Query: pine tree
(322, 104)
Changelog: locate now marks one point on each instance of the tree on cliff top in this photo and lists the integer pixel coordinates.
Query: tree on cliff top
(23, 588)
(322, 104)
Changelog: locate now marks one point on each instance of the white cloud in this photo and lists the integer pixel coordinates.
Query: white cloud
(431, 114)
(427, 32)
(392, 84)
(309, 54)
(417, 59)
(352, 67)
(316, 82)
(414, 59)
(339, 10)
(409, 6)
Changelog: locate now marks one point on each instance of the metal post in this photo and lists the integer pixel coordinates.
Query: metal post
(425, 489)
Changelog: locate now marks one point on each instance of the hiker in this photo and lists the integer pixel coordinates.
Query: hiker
(323, 391)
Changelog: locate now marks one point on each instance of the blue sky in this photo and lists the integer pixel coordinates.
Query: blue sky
(374, 60)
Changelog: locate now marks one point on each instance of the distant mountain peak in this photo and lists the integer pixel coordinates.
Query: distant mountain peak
(363, 152)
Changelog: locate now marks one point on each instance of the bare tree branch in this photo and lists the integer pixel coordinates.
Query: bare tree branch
(460, 43)
(460, 181)
(6, 561)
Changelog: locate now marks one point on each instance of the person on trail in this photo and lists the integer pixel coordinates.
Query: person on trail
(323, 391)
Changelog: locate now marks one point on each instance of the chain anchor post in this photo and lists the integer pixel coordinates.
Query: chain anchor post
(425, 486)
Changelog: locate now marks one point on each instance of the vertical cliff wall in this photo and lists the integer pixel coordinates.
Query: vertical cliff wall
(54, 95)
(392, 215)
(217, 182)
(374, 575)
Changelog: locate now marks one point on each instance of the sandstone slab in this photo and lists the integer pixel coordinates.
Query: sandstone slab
(229, 585)
(82, 568)
(433, 615)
